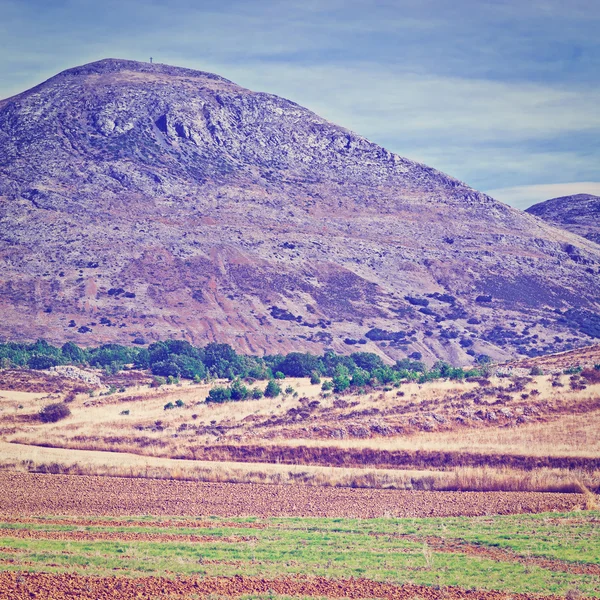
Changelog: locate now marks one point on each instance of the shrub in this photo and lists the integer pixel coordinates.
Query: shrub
(536, 371)
(289, 389)
(54, 412)
(341, 379)
(279, 375)
(315, 378)
(179, 403)
(327, 385)
(157, 382)
(360, 377)
(239, 391)
(43, 361)
(273, 389)
(257, 394)
(297, 364)
(219, 394)
(169, 406)
(366, 360)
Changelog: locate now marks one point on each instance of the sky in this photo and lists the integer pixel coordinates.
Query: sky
(502, 94)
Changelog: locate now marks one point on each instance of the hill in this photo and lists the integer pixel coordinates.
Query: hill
(578, 214)
(142, 201)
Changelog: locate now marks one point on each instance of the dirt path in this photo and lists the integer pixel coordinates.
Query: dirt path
(24, 494)
(21, 586)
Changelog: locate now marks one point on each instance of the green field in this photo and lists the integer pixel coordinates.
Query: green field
(436, 551)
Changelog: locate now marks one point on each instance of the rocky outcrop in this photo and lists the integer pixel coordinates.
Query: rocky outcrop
(140, 202)
(579, 214)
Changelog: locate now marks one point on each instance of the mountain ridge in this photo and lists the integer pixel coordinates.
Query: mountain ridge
(187, 206)
(578, 213)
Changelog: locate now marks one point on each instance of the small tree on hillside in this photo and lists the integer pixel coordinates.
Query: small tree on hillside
(273, 389)
(54, 412)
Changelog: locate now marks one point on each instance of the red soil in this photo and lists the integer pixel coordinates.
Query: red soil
(43, 494)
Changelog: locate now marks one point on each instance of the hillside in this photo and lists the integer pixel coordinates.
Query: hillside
(142, 201)
(578, 214)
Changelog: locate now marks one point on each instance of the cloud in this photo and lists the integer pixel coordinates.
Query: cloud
(526, 195)
(498, 93)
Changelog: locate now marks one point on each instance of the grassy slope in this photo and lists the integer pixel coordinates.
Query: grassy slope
(337, 548)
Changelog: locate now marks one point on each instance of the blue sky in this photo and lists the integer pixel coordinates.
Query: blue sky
(502, 94)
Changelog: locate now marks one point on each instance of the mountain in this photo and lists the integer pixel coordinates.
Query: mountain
(143, 201)
(578, 214)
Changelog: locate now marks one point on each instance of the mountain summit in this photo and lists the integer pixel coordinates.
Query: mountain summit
(578, 214)
(142, 201)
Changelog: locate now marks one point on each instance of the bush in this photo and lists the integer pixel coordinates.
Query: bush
(315, 378)
(257, 394)
(536, 371)
(273, 389)
(297, 364)
(341, 379)
(179, 403)
(169, 406)
(360, 377)
(239, 391)
(279, 375)
(327, 385)
(219, 394)
(43, 361)
(54, 412)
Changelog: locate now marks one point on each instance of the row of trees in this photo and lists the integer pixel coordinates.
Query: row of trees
(178, 358)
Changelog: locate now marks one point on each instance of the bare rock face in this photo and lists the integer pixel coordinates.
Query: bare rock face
(578, 214)
(141, 201)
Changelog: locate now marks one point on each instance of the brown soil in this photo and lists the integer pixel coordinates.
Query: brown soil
(499, 554)
(130, 536)
(163, 523)
(20, 586)
(41, 494)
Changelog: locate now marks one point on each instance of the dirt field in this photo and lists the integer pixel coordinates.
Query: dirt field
(36, 494)
(21, 586)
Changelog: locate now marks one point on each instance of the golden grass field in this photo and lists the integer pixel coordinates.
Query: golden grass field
(516, 419)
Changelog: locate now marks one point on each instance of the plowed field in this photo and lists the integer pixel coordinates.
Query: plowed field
(31, 494)
(66, 587)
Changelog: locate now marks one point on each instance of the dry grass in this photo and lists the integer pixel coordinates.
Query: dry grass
(97, 423)
(82, 462)
(566, 435)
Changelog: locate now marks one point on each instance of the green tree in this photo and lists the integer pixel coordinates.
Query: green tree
(360, 377)
(341, 379)
(239, 391)
(297, 364)
(73, 353)
(273, 389)
(367, 360)
(219, 394)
